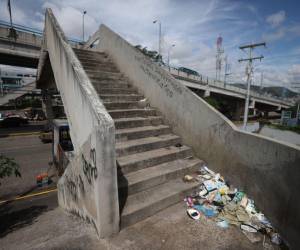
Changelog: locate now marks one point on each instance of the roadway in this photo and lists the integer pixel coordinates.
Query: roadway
(33, 157)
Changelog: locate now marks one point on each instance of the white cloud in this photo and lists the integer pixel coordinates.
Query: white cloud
(192, 25)
(274, 36)
(276, 19)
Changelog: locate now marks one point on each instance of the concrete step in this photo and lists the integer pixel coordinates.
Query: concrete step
(102, 74)
(111, 84)
(93, 63)
(149, 177)
(120, 105)
(114, 91)
(88, 53)
(138, 161)
(94, 58)
(124, 98)
(141, 132)
(107, 76)
(141, 205)
(133, 122)
(101, 67)
(101, 60)
(134, 112)
(146, 144)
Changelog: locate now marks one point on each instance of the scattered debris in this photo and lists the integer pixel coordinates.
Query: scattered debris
(223, 224)
(226, 205)
(275, 238)
(42, 180)
(188, 178)
(143, 103)
(193, 213)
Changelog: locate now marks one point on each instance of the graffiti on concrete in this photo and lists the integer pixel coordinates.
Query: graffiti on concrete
(72, 189)
(74, 186)
(89, 168)
(159, 76)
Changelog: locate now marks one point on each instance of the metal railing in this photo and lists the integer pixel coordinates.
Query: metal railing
(33, 31)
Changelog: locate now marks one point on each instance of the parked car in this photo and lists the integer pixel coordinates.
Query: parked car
(13, 121)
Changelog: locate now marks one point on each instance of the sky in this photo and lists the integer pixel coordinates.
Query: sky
(193, 26)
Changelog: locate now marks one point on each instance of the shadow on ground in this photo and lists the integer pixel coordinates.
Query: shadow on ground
(14, 220)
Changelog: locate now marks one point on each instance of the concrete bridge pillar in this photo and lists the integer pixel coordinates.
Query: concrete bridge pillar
(266, 114)
(239, 111)
(47, 106)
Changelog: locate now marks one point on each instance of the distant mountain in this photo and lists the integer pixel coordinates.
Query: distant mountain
(273, 90)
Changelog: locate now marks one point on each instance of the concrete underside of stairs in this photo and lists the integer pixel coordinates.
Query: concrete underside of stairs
(168, 229)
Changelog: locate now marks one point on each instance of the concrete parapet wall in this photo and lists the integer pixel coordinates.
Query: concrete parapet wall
(266, 169)
(22, 37)
(282, 135)
(89, 185)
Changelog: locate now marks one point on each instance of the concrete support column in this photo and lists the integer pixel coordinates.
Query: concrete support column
(266, 114)
(47, 106)
(239, 111)
(254, 112)
(207, 92)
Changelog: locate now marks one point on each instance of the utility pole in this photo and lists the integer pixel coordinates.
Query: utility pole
(227, 66)
(261, 80)
(83, 14)
(249, 71)
(1, 83)
(10, 15)
(220, 51)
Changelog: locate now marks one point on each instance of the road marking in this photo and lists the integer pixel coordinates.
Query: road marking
(30, 195)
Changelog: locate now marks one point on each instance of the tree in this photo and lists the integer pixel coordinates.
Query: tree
(8, 167)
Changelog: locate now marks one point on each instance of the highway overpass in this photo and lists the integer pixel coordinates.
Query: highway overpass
(205, 86)
(21, 46)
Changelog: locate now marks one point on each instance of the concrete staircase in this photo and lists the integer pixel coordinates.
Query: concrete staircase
(151, 159)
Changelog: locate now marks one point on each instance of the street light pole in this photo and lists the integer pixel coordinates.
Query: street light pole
(1, 83)
(84, 12)
(173, 45)
(159, 36)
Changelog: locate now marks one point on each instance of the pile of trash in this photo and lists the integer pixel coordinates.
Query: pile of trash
(226, 205)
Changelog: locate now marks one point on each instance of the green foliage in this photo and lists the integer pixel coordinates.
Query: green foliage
(213, 102)
(8, 167)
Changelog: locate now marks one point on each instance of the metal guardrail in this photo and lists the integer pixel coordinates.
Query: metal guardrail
(33, 31)
(219, 84)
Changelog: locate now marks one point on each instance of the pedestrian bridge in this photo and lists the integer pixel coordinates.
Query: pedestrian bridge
(136, 129)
